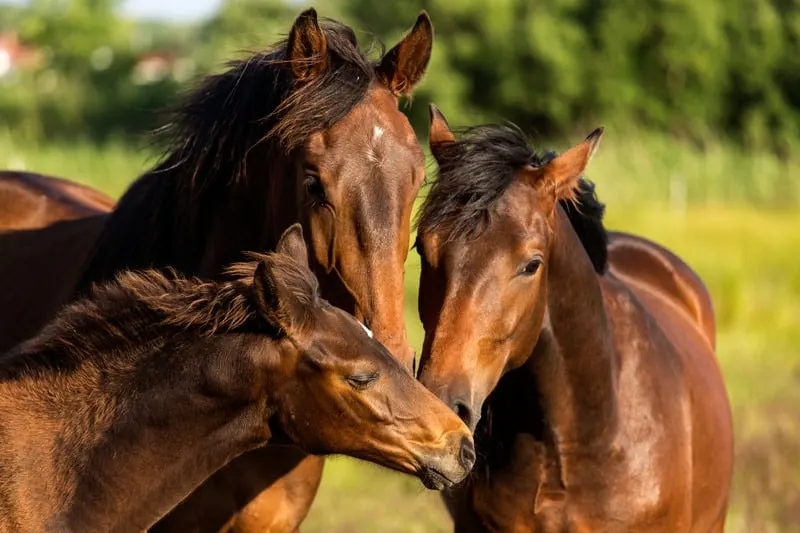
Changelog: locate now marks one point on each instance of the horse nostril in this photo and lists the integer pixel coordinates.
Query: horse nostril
(464, 412)
(467, 453)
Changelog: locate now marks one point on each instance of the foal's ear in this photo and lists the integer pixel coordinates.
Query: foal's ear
(560, 176)
(284, 288)
(307, 49)
(293, 245)
(403, 67)
(440, 136)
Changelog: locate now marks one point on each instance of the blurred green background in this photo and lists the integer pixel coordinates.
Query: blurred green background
(701, 100)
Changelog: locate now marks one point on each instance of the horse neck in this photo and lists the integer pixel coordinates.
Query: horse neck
(574, 363)
(125, 441)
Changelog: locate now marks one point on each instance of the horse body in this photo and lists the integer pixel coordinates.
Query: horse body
(30, 298)
(592, 385)
(132, 397)
(29, 200)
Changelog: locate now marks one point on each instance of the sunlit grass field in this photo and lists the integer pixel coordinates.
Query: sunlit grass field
(731, 215)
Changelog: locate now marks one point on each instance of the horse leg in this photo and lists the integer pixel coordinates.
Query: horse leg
(283, 506)
(268, 490)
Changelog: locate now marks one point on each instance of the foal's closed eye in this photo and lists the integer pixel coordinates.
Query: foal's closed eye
(362, 381)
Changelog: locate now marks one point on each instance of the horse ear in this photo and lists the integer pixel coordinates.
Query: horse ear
(307, 48)
(285, 289)
(293, 245)
(440, 135)
(403, 67)
(266, 294)
(561, 176)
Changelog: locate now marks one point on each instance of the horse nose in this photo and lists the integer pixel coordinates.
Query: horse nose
(464, 412)
(467, 454)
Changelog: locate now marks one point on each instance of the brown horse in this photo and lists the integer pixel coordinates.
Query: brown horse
(596, 401)
(31, 201)
(133, 396)
(309, 131)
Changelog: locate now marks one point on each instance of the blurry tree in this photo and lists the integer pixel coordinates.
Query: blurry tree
(691, 67)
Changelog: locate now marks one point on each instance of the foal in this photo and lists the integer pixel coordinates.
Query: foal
(132, 397)
(597, 403)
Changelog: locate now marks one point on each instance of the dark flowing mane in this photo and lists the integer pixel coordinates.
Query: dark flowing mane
(166, 217)
(147, 308)
(476, 171)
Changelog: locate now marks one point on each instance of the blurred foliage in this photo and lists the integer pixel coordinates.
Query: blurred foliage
(688, 67)
(691, 68)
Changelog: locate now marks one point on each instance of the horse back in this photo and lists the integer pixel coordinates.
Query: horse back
(38, 272)
(643, 263)
(30, 201)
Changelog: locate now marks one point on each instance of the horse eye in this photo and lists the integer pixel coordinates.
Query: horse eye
(531, 268)
(314, 186)
(361, 382)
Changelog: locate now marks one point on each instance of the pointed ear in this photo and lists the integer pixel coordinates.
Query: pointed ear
(403, 67)
(306, 48)
(440, 135)
(293, 245)
(284, 288)
(560, 176)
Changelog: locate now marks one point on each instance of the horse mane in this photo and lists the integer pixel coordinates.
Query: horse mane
(166, 216)
(146, 308)
(475, 172)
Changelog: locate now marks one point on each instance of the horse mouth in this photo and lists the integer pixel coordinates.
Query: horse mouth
(434, 480)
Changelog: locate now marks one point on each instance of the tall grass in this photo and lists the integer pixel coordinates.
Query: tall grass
(731, 215)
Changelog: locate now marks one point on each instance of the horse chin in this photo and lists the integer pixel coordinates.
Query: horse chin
(434, 480)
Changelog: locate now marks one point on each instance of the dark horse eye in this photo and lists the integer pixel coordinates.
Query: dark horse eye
(531, 268)
(314, 187)
(361, 382)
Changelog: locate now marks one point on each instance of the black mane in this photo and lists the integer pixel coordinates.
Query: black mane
(476, 171)
(166, 217)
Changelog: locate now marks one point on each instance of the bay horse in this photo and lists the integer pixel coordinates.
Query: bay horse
(597, 403)
(134, 395)
(309, 132)
(31, 201)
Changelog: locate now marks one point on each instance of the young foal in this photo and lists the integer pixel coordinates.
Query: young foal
(132, 397)
(597, 405)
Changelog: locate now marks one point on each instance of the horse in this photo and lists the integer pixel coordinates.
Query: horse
(597, 403)
(31, 201)
(308, 131)
(134, 395)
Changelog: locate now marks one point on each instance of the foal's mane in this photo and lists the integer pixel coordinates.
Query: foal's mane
(148, 308)
(475, 172)
(166, 216)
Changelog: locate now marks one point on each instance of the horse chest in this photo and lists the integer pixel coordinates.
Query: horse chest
(526, 495)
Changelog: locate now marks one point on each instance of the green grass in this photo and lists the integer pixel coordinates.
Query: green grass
(743, 247)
